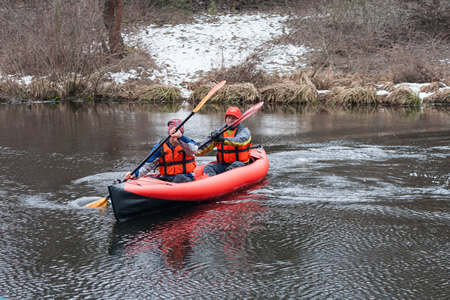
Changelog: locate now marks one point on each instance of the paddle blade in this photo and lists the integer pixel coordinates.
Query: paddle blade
(209, 95)
(99, 203)
(247, 114)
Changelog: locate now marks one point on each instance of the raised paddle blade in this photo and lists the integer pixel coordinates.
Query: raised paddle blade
(209, 95)
(99, 203)
(248, 113)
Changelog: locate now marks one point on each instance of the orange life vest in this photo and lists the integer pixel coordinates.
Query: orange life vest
(176, 161)
(229, 154)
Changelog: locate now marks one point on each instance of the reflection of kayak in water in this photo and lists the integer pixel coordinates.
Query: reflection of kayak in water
(140, 196)
(172, 238)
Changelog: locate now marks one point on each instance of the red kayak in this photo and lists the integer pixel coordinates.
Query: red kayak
(143, 195)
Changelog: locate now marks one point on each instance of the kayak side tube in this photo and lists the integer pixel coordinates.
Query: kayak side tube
(145, 194)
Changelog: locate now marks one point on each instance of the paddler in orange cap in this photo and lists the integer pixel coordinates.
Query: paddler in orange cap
(233, 145)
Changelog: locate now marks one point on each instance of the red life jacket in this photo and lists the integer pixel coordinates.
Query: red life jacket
(229, 154)
(176, 161)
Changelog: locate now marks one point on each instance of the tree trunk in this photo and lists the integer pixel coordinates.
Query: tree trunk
(112, 16)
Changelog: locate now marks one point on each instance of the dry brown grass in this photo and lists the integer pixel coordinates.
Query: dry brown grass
(403, 95)
(245, 72)
(300, 77)
(293, 88)
(101, 90)
(432, 87)
(354, 96)
(200, 91)
(386, 86)
(159, 93)
(64, 52)
(289, 92)
(234, 93)
(43, 88)
(11, 89)
(408, 68)
(238, 93)
(441, 97)
(398, 41)
(132, 90)
(328, 79)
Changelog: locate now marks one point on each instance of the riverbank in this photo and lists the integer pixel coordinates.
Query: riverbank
(294, 89)
(270, 56)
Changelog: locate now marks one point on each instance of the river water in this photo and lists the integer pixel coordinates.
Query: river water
(355, 206)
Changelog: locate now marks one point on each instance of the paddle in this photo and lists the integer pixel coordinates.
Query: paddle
(247, 114)
(103, 201)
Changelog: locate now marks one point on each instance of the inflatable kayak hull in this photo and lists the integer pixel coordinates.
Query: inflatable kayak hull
(144, 195)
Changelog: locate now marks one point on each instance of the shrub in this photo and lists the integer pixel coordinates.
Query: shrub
(355, 96)
(431, 88)
(403, 95)
(235, 93)
(441, 97)
(159, 93)
(289, 92)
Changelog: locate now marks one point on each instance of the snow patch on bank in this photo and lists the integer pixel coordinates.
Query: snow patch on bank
(186, 51)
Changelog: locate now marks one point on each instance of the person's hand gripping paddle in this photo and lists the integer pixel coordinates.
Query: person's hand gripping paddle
(244, 116)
